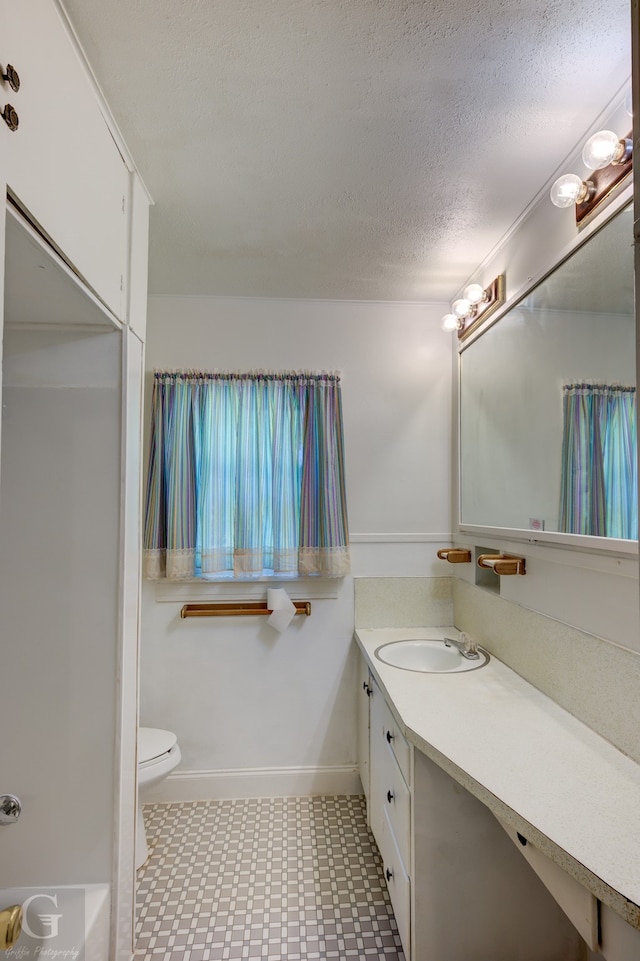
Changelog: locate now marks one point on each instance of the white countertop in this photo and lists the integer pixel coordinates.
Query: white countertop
(574, 795)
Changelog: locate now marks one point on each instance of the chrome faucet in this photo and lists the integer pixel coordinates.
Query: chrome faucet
(466, 645)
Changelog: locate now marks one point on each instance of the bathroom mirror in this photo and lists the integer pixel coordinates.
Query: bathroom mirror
(547, 402)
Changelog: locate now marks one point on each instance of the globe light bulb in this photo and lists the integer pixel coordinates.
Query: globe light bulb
(601, 150)
(568, 190)
(461, 307)
(475, 294)
(450, 323)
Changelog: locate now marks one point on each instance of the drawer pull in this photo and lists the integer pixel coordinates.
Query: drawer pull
(12, 77)
(389, 737)
(390, 796)
(10, 117)
(388, 874)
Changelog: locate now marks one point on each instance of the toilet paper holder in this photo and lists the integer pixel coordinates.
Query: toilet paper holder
(248, 609)
(455, 555)
(503, 564)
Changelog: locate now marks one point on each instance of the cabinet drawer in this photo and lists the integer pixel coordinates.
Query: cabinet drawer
(396, 740)
(396, 802)
(398, 883)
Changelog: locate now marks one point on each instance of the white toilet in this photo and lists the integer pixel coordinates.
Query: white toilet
(158, 754)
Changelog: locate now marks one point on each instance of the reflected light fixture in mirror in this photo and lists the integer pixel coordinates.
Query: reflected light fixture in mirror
(609, 157)
(476, 304)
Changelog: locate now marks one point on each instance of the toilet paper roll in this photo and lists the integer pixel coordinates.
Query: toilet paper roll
(491, 561)
(283, 608)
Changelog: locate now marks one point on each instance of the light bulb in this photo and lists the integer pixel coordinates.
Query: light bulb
(601, 150)
(461, 307)
(475, 294)
(568, 189)
(450, 322)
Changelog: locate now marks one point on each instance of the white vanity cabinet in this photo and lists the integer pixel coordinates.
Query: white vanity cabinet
(62, 164)
(390, 807)
(459, 889)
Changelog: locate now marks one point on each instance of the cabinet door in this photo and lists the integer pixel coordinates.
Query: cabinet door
(62, 164)
(364, 695)
(398, 883)
(139, 256)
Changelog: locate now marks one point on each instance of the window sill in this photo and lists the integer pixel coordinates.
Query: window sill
(298, 589)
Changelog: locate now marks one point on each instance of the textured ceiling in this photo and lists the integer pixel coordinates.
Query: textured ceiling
(358, 149)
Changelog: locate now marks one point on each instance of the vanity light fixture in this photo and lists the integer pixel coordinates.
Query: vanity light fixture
(609, 157)
(451, 322)
(570, 189)
(606, 148)
(476, 304)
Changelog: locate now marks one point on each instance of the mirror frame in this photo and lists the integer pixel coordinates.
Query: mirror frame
(579, 542)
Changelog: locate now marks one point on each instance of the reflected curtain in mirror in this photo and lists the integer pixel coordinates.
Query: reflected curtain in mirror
(246, 476)
(599, 483)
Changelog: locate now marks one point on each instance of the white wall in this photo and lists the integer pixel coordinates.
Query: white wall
(237, 695)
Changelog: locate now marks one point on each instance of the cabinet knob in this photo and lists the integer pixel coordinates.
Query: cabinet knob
(388, 874)
(390, 796)
(10, 117)
(389, 737)
(12, 77)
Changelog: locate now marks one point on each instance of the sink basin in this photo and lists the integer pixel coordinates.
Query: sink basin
(428, 656)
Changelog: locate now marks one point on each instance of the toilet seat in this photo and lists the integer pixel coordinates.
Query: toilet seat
(153, 744)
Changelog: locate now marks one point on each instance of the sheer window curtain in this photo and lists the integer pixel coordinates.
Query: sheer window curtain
(599, 483)
(246, 476)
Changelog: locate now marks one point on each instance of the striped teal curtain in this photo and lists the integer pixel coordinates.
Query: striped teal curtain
(246, 476)
(599, 481)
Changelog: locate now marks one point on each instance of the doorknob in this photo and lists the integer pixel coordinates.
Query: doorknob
(10, 808)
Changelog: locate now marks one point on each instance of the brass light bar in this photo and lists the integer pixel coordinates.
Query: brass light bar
(496, 293)
(604, 180)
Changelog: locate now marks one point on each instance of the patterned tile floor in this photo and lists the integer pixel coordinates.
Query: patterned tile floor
(275, 879)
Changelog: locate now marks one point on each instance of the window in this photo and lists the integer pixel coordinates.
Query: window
(246, 476)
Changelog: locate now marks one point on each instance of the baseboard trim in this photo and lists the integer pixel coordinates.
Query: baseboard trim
(256, 782)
